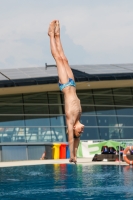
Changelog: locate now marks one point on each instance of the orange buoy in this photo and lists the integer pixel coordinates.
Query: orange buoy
(130, 162)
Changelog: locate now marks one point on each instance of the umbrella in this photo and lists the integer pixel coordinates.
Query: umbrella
(96, 148)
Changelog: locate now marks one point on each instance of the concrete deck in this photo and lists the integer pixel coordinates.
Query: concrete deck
(83, 161)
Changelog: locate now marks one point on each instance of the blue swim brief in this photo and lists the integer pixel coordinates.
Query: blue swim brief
(71, 82)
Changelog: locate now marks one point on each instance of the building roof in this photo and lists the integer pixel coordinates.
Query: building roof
(48, 74)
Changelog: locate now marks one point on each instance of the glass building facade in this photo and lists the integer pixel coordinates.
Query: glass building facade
(39, 117)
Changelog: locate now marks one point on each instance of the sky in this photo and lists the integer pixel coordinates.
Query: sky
(92, 31)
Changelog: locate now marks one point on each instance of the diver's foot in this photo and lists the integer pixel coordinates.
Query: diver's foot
(51, 29)
(57, 28)
(73, 160)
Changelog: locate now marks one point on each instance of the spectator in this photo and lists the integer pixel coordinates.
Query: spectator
(43, 156)
(1, 129)
(131, 151)
(121, 150)
(105, 150)
(112, 150)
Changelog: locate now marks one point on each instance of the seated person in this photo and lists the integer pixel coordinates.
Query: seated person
(43, 156)
(1, 129)
(105, 150)
(131, 151)
(121, 150)
(112, 150)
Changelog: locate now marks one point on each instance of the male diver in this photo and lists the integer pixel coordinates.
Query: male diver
(67, 86)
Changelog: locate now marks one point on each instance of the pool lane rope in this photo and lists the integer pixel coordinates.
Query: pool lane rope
(130, 162)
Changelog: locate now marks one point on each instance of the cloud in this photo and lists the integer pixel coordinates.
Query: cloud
(92, 31)
(77, 54)
(10, 60)
(2, 65)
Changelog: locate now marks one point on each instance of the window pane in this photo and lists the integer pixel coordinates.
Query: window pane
(109, 133)
(12, 134)
(123, 97)
(35, 98)
(122, 91)
(19, 135)
(127, 101)
(103, 100)
(32, 134)
(103, 97)
(11, 109)
(88, 110)
(58, 134)
(57, 120)
(46, 134)
(55, 109)
(126, 133)
(85, 99)
(107, 121)
(105, 110)
(114, 132)
(11, 121)
(125, 121)
(123, 100)
(36, 109)
(104, 133)
(131, 90)
(62, 98)
(84, 92)
(102, 91)
(37, 121)
(17, 98)
(88, 120)
(90, 134)
(53, 98)
(124, 110)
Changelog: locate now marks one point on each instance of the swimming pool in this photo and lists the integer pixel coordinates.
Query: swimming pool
(66, 181)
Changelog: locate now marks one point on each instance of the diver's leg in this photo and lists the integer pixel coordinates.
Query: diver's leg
(63, 77)
(70, 140)
(76, 144)
(60, 50)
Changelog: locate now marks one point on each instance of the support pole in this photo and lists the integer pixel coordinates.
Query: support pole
(119, 154)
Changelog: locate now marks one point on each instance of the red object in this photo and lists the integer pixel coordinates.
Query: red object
(63, 151)
(130, 162)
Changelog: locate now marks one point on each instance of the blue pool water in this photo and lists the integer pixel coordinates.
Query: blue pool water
(66, 181)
